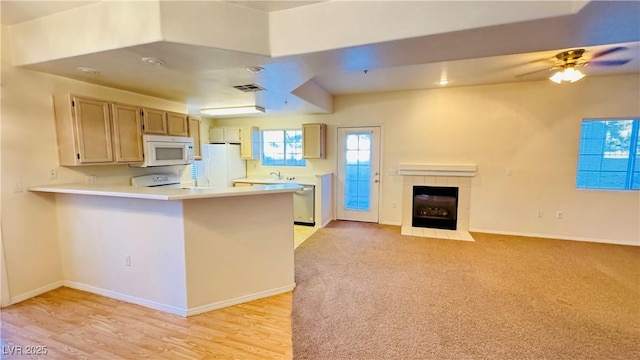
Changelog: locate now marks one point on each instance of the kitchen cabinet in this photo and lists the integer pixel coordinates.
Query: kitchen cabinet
(155, 121)
(194, 132)
(127, 133)
(314, 140)
(162, 122)
(83, 129)
(177, 124)
(222, 135)
(250, 143)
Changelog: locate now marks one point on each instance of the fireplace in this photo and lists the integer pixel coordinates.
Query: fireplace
(435, 207)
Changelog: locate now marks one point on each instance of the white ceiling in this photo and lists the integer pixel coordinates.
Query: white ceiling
(202, 76)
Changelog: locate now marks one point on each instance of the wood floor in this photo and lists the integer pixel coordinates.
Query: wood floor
(73, 324)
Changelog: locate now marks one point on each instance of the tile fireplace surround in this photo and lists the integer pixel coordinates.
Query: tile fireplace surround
(437, 175)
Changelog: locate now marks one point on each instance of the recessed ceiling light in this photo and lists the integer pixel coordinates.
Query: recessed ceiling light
(153, 61)
(443, 82)
(87, 70)
(254, 69)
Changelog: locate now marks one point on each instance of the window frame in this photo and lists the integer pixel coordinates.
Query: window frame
(302, 162)
(632, 165)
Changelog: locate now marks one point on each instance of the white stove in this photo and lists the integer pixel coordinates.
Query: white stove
(165, 180)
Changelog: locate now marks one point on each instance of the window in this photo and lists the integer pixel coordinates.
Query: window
(282, 148)
(609, 155)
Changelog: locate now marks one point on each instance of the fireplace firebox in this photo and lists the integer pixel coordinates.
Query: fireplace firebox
(435, 207)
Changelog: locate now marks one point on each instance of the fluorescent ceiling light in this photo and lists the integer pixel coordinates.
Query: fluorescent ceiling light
(236, 110)
(569, 74)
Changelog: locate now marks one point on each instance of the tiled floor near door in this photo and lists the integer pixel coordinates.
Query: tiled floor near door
(301, 233)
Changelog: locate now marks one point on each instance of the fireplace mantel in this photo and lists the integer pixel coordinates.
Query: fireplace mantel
(437, 170)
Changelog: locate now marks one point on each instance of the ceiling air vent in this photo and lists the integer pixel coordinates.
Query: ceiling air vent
(249, 88)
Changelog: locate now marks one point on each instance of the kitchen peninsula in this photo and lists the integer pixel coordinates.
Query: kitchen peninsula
(183, 251)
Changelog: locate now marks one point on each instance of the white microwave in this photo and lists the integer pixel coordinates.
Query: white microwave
(162, 150)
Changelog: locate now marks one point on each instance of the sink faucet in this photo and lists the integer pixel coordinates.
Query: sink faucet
(276, 173)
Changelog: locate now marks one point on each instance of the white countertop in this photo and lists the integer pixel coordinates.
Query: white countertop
(302, 180)
(161, 193)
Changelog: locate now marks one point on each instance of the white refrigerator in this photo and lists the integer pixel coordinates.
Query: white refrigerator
(220, 165)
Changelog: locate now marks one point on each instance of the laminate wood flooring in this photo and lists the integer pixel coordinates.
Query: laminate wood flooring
(73, 324)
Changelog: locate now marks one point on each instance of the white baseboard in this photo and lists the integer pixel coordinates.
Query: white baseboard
(173, 309)
(36, 292)
(126, 298)
(395, 223)
(240, 300)
(557, 237)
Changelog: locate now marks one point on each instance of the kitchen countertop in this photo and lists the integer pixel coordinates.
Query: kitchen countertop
(163, 193)
(302, 180)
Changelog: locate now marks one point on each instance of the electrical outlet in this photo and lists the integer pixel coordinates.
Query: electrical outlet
(540, 213)
(127, 260)
(509, 171)
(90, 179)
(394, 204)
(53, 174)
(559, 215)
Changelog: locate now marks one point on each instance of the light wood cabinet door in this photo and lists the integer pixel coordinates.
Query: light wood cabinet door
(194, 132)
(83, 129)
(177, 124)
(250, 143)
(155, 121)
(127, 133)
(314, 141)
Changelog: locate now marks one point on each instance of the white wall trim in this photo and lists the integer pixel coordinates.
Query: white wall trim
(554, 237)
(127, 298)
(240, 300)
(437, 169)
(395, 223)
(36, 292)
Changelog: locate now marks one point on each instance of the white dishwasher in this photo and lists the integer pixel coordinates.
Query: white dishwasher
(304, 206)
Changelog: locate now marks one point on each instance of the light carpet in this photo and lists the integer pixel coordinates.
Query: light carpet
(366, 292)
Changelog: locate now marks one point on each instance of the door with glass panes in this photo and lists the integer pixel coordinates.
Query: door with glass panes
(358, 173)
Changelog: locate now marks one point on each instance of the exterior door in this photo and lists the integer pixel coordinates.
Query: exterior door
(358, 173)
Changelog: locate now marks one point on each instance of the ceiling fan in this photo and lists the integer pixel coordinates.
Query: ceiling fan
(567, 63)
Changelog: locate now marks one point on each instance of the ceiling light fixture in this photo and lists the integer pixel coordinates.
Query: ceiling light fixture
(568, 73)
(87, 70)
(443, 82)
(153, 61)
(235, 110)
(254, 69)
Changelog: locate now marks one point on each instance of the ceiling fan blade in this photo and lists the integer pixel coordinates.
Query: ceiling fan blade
(534, 72)
(609, 62)
(608, 51)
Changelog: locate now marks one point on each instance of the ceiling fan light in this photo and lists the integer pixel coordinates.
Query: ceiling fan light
(236, 110)
(557, 77)
(572, 75)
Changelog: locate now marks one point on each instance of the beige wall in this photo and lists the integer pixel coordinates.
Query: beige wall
(28, 141)
(532, 128)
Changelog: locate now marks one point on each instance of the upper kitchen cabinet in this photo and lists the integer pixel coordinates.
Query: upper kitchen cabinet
(83, 130)
(250, 143)
(155, 121)
(314, 141)
(177, 124)
(162, 122)
(194, 132)
(222, 135)
(127, 133)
